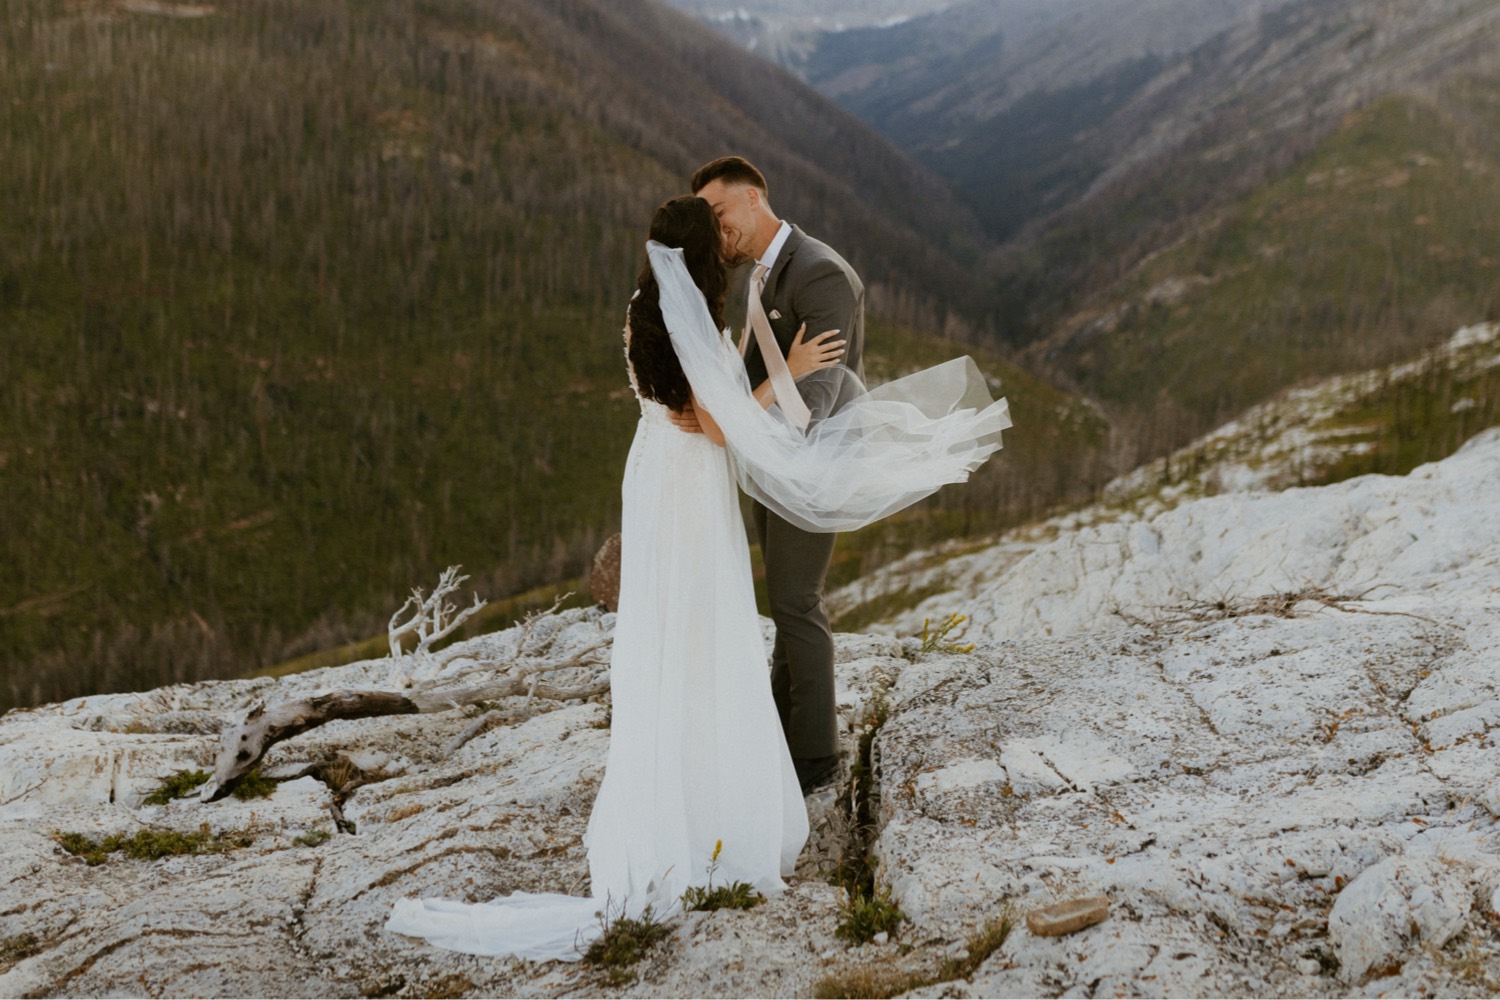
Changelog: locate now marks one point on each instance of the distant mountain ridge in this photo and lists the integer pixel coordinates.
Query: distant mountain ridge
(1028, 105)
(1053, 115)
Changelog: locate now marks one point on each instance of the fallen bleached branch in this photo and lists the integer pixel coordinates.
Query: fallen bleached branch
(242, 747)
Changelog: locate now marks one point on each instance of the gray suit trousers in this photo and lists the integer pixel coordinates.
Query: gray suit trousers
(796, 562)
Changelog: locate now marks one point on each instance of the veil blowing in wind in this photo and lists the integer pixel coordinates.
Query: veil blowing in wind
(864, 454)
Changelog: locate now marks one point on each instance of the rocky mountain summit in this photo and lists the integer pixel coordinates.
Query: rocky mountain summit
(1261, 724)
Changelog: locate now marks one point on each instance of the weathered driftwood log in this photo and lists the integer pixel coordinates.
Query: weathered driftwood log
(241, 748)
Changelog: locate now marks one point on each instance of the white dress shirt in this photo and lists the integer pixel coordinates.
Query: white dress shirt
(768, 259)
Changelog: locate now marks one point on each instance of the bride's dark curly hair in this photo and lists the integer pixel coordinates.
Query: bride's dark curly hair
(689, 223)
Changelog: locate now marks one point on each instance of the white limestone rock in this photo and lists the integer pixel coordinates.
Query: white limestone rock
(291, 915)
(54, 762)
(1402, 542)
(1223, 777)
(965, 773)
(1490, 798)
(1157, 770)
(1396, 906)
(1271, 802)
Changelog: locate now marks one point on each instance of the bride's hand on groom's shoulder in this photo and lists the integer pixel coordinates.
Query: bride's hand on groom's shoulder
(686, 420)
(814, 353)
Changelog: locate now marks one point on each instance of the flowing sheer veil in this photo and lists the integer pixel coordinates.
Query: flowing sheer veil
(865, 454)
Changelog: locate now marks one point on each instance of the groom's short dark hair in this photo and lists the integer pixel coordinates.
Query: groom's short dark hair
(730, 170)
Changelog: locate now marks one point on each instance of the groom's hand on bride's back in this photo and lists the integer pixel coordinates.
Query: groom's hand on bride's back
(686, 420)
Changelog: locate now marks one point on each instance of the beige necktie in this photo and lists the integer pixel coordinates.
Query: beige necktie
(757, 288)
(782, 383)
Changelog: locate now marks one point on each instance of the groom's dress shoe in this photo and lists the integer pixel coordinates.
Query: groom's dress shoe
(815, 771)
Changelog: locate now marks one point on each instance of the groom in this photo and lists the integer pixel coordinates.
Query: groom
(804, 282)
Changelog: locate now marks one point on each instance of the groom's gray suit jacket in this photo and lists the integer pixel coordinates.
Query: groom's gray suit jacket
(809, 283)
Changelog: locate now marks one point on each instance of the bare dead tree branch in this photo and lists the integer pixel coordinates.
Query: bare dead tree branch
(433, 618)
(243, 747)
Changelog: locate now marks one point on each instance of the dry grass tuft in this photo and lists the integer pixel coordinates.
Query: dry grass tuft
(878, 981)
(868, 982)
(407, 811)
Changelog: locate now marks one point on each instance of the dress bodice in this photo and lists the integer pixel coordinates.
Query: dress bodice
(653, 414)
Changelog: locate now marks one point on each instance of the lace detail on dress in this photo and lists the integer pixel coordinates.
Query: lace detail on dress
(630, 368)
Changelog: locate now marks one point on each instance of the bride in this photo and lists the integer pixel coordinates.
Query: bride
(698, 773)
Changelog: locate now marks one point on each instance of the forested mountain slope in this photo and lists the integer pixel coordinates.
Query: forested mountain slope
(1027, 105)
(1377, 244)
(303, 301)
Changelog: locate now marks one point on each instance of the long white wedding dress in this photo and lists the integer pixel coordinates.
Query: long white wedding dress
(696, 753)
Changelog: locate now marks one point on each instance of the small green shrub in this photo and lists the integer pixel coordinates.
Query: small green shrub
(18, 948)
(624, 942)
(880, 980)
(862, 916)
(868, 982)
(175, 787)
(734, 896)
(981, 945)
(313, 838)
(851, 871)
(254, 785)
(946, 636)
(149, 845)
(77, 844)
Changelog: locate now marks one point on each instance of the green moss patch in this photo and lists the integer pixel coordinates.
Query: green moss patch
(150, 845)
(177, 786)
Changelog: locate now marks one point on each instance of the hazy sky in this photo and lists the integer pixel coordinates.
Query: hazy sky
(825, 13)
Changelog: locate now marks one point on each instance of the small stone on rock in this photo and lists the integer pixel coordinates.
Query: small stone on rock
(1068, 916)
